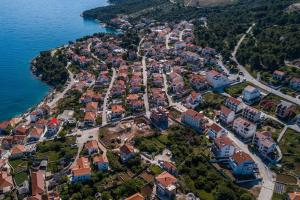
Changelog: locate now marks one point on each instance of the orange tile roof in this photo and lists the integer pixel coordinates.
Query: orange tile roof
(226, 111)
(166, 179)
(90, 116)
(240, 156)
(234, 100)
(92, 106)
(18, 149)
(126, 148)
(100, 159)
(37, 182)
(92, 144)
(294, 196)
(136, 196)
(81, 167)
(5, 180)
(194, 114)
(36, 132)
(215, 127)
(223, 141)
(117, 108)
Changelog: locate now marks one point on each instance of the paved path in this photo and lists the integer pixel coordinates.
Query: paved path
(281, 134)
(251, 79)
(60, 95)
(167, 40)
(107, 95)
(267, 176)
(170, 100)
(139, 47)
(146, 100)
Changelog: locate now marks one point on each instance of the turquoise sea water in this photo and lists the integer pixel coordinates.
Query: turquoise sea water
(26, 28)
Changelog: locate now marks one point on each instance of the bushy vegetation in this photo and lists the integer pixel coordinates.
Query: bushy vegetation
(59, 152)
(51, 69)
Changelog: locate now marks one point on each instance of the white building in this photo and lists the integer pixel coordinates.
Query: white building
(215, 131)
(223, 147)
(193, 100)
(251, 114)
(251, 94)
(242, 164)
(216, 79)
(226, 115)
(264, 143)
(234, 104)
(244, 127)
(194, 119)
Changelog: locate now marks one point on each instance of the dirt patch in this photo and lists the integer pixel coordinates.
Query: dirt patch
(147, 177)
(287, 179)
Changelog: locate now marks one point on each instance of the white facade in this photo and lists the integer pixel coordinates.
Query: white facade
(244, 128)
(216, 79)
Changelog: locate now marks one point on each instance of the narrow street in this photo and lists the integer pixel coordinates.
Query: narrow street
(146, 100)
(167, 40)
(170, 100)
(60, 95)
(265, 173)
(253, 80)
(107, 95)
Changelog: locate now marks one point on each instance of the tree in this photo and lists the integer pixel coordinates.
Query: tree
(246, 196)
(225, 193)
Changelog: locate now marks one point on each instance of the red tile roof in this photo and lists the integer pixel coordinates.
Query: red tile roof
(92, 144)
(100, 159)
(223, 141)
(215, 127)
(18, 149)
(5, 180)
(136, 196)
(81, 167)
(37, 182)
(127, 149)
(240, 156)
(166, 179)
(294, 196)
(226, 111)
(194, 114)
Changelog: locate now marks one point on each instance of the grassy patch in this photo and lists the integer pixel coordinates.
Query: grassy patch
(288, 179)
(290, 147)
(155, 169)
(57, 151)
(150, 145)
(20, 177)
(237, 89)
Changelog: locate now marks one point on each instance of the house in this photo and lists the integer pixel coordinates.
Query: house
(17, 151)
(159, 117)
(136, 196)
(89, 119)
(116, 111)
(279, 75)
(223, 147)
(226, 115)
(91, 147)
(251, 95)
(158, 97)
(137, 105)
(35, 133)
(216, 79)
(295, 83)
(169, 167)
(21, 130)
(285, 109)
(198, 82)
(294, 196)
(4, 127)
(6, 182)
(81, 171)
(126, 152)
(193, 100)
(234, 104)
(101, 162)
(215, 131)
(37, 183)
(244, 128)
(242, 164)
(251, 114)
(264, 142)
(166, 186)
(91, 107)
(53, 126)
(194, 119)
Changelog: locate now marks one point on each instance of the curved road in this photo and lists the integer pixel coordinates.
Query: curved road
(251, 79)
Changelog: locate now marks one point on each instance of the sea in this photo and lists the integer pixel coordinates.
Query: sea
(26, 28)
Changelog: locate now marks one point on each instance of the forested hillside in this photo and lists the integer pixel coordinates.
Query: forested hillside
(275, 36)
